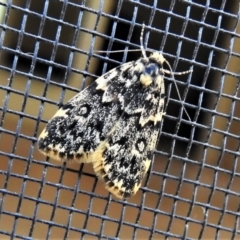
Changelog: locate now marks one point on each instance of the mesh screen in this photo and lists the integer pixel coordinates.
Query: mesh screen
(48, 53)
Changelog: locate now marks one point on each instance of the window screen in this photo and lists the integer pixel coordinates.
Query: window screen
(49, 52)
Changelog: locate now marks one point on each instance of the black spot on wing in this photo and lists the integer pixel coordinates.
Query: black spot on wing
(141, 145)
(123, 163)
(84, 110)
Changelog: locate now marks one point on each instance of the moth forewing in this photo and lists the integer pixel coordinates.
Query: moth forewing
(113, 124)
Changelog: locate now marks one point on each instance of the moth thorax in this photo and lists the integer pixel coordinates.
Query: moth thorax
(150, 72)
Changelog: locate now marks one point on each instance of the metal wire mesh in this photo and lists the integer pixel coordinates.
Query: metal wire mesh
(48, 54)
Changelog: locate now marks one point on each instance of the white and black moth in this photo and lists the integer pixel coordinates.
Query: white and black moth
(113, 124)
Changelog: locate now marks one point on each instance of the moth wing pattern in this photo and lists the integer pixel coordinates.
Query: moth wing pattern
(79, 125)
(57, 139)
(82, 123)
(113, 123)
(123, 159)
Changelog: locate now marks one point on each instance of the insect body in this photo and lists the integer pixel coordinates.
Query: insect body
(113, 124)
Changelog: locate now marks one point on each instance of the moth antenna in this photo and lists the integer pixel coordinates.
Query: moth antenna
(142, 49)
(141, 41)
(118, 51)
(178, 93)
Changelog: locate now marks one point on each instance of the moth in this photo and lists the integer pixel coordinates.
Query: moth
(113, 124)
